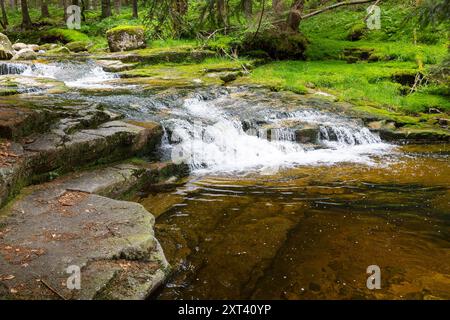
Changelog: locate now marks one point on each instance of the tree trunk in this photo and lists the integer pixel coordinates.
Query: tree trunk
(117, 6)
(4, 16)
(179, 9)
(12, 4)
(277, 6)
(26, 20)
(83, 9)
(247, 5)
(106, 8)
(135, 9)
(44, 9)
(222, 13)
(295, 15)
(65, 4)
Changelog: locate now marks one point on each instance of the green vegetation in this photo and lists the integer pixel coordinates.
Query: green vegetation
(66, 35)
(378, 71)
(359, 83)
(400, 47)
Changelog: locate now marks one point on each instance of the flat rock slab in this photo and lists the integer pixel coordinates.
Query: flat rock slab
(115, 65)
(63, 223)
(69, 145)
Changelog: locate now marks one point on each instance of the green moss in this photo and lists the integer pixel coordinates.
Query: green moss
(184, 73)
(357, 31)
(335, 25)
(222, 44)
(64, 35)
(362, 83)
(59, 50)
(126, 28)
(78, 46)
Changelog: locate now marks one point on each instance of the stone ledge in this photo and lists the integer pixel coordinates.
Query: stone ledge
(70, 221)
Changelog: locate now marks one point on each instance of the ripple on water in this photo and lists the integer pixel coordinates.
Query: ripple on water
(311, 232)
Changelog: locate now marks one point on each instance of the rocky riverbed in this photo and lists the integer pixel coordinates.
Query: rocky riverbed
(82, 142)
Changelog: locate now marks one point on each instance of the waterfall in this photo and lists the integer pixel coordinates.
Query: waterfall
(217, 141)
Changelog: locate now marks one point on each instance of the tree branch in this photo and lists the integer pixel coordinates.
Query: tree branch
(336, 5)
(260, 20)
(369, 13)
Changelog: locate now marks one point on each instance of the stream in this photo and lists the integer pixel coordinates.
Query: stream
(285, 200)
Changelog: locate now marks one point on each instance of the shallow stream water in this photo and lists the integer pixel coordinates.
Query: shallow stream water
(264, 216)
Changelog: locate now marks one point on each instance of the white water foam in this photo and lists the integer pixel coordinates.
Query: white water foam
(74, 75)
(218, 143)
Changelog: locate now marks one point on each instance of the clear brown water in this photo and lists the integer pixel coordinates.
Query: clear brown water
(311, 232)
(303, 233)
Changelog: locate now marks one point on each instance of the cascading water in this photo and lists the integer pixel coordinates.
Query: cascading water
(217, 142)
(75, 75)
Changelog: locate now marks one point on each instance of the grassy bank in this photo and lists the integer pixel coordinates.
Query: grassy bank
(399, 48)
(360, 83)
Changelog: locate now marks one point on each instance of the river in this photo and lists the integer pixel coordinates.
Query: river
(285, 200)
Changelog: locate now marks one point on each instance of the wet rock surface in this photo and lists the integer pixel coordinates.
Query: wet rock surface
(73, 220)
(66, 223)
(82, 135)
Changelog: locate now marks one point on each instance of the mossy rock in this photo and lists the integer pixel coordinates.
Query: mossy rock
(277, 44)
(357, 32)
(406, 78)
(229, 76)
(59, 50)
(258, 54)
(412, 135)
(63, 35)
(78, 46)
(353, 55)
(125, 38)
(48, 46)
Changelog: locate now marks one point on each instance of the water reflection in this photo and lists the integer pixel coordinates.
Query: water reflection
(311, 232)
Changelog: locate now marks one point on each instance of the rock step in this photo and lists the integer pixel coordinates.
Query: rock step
(115, 65)
(154, 56)
(16, 123)
(71, 222)
(87, 136)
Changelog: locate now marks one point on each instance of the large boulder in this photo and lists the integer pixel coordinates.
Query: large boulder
(6, 49)
(124, 38)
(278, 44)
(25, 54)
(19, 46)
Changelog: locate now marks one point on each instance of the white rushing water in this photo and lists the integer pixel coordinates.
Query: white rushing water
(217, 142)
(74, 75)
(225, 134)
